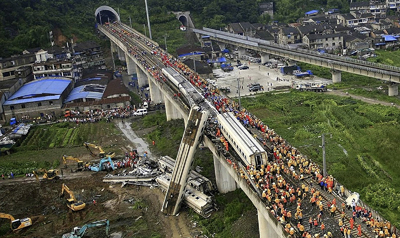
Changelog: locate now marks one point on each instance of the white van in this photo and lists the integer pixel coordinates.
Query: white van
(140, 112)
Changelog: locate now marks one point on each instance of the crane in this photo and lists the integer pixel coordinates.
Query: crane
(102, 153)
(102, 161)
(17, 224)
(72, 203)
(67, 157)
(79, 232)
(47, 174)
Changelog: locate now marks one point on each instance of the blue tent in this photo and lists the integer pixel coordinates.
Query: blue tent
(218, 60)
(312, 12)
(225, 51)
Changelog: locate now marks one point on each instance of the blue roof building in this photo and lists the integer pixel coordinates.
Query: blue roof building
(38, 97)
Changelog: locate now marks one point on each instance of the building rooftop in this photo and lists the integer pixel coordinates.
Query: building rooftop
(40, 90)
(92, 91)
(115, 87)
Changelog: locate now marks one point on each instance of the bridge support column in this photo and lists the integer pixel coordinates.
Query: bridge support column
(222, 46)
(142, 77)
(130, 65)
(241, 52)
(262, 225)
(171, 111)
(225, 182)
(336, 76)
(393, 89)
(155, 93)
(113, 47)
(264, 58)
(121, 54)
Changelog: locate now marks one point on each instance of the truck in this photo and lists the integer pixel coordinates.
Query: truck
(313, 87)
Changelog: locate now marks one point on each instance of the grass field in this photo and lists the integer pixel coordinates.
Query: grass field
(386, 57)
(362, 151)
(44, 146)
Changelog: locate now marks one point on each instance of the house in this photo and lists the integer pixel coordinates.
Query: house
(330, 41)
(235, 28)
(289, 35)
(8, 66)
(266, 8)
(360, 7)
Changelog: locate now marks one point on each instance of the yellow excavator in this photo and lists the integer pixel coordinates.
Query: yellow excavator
(17, 224)
(102, 153)
(47, 174)
(72, 203)
(67, 157)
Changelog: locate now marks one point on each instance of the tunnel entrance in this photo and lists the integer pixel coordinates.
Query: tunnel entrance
(184, 20)
(105, 14)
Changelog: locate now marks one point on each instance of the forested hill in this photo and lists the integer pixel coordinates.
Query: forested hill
(26, 24)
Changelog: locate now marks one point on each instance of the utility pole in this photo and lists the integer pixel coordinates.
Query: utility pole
(165, 42)
(148, 19)
(130, 21)
(194, 62)
(238, 80)
(323, 155)
(145, 33)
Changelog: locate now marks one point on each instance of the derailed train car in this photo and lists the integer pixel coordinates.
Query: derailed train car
(196, 180)
(198, 201)
(245, 145)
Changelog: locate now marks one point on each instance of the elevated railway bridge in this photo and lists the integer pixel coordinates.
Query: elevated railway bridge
(335, 63)
(238, 156)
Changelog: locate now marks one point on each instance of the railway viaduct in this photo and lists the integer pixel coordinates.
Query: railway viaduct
(336, 64)
(227, 178)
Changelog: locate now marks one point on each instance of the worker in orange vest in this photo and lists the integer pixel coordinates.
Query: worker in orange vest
(359, 230)
(351, 223)
(322, 227)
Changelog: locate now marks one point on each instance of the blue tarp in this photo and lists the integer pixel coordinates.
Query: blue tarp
(312, 12)
(191, 53)
(218, 60)
(225, 51)
(389, 38)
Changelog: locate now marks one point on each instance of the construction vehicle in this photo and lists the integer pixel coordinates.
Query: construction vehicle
(47, 174)
(79, 232)
(67, 157)
(17, 224)
(72, 203)
(102, 153)
(100, 167)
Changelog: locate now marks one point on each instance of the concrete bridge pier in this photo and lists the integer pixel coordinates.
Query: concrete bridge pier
(142, 77)
(225, 182)
(130, 65)
(393, 89)
(171, 111)
(121, 54)
(222, 46)
(336, 76)
(114, 47)
(264, 58)
(155, 93)
(241, 52)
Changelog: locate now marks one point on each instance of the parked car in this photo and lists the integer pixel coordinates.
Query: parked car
(254, 87)
(140, 112)
(243, 67)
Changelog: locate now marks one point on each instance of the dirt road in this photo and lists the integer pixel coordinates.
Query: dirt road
(364, 99)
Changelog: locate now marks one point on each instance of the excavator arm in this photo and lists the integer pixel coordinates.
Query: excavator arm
(72, 203)
(17, 224)
(79, 232)
(102, 153)
(67, 157)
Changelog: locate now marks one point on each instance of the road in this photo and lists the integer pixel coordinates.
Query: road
(364, 99)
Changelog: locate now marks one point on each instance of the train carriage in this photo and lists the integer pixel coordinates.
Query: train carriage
(244, 144)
